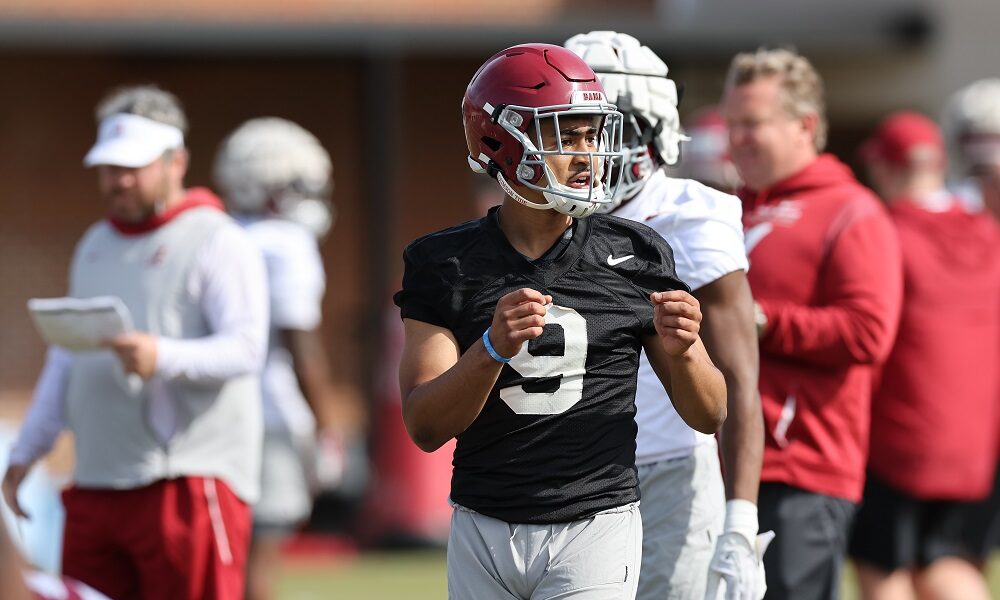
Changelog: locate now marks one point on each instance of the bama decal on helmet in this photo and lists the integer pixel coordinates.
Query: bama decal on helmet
(588, 97)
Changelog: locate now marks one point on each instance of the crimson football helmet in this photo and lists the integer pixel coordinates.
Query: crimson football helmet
(504, 106)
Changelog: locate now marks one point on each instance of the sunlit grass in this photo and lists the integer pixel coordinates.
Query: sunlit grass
(370, 576)
(421, 576)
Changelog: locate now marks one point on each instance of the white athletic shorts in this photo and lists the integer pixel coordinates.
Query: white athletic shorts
(592, 559)
(683, 511)
(285, 495)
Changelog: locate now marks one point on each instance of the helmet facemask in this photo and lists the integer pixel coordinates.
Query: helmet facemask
(533, 169)
(637, 81)
(307, 204)
(637, 163)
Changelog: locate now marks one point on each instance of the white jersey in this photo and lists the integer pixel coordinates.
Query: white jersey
(704, 228)
(296, 281)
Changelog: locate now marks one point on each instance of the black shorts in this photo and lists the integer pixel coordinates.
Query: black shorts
(896, 531)
(805, 561)
(982, 524)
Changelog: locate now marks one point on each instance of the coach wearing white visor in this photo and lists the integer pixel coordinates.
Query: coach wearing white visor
(167, 459)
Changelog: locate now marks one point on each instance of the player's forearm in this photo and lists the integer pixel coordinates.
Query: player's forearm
(742, 435)
(742, 441)
(311, 365)
(440, 409)
(698, 390)
(730, 337)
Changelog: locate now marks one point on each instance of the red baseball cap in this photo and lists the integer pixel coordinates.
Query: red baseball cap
(904, 138)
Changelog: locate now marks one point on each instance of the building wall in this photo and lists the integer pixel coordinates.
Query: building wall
(47, 199)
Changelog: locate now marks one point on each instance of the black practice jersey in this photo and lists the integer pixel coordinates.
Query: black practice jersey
(555, 441)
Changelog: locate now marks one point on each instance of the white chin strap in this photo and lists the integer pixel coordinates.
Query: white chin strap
(576, 208)
(513, 194)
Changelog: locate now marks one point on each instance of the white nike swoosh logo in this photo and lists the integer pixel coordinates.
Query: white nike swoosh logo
(617, 261)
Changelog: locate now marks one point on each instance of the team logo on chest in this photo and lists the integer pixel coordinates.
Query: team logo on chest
(156, 259)
(784, 212)
(762, 221)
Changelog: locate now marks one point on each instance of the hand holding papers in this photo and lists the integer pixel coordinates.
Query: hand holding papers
(79, 323)
(82, 324)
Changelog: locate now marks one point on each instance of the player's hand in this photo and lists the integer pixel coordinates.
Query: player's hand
(737, 569)
(677, 317)
(341, 465)
(331, 459)
(519, 317)
(137, 352)
(11, 483)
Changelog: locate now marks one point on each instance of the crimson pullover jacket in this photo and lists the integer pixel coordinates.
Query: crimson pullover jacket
(826, 269)
(934, 416)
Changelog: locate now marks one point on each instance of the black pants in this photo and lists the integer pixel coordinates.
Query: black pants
(806, 559)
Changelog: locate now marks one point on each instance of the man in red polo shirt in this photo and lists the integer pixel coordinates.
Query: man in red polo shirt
(826, 275)
(933, 428)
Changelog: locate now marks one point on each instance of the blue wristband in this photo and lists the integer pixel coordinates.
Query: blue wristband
(489, 348)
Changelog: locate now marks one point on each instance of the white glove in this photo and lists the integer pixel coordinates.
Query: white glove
(330, 460)
(341, 465)
(737, 569)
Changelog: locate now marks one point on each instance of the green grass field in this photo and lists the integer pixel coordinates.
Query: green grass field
(371, 576)
(416, 576)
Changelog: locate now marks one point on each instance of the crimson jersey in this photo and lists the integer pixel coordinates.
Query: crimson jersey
(555, 441)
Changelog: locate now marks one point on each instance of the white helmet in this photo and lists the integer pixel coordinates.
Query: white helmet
(971, 124)
(635, 80)
(271, 166)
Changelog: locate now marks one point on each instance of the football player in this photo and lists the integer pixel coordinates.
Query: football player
(523, 335)
(687, 523)
(971, 125)
(276, 180)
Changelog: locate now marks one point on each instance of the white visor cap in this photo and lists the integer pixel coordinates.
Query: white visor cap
(127, 140)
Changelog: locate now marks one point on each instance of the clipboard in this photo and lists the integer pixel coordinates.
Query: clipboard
(79, 324)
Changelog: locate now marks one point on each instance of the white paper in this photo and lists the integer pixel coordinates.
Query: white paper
(79, 323)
